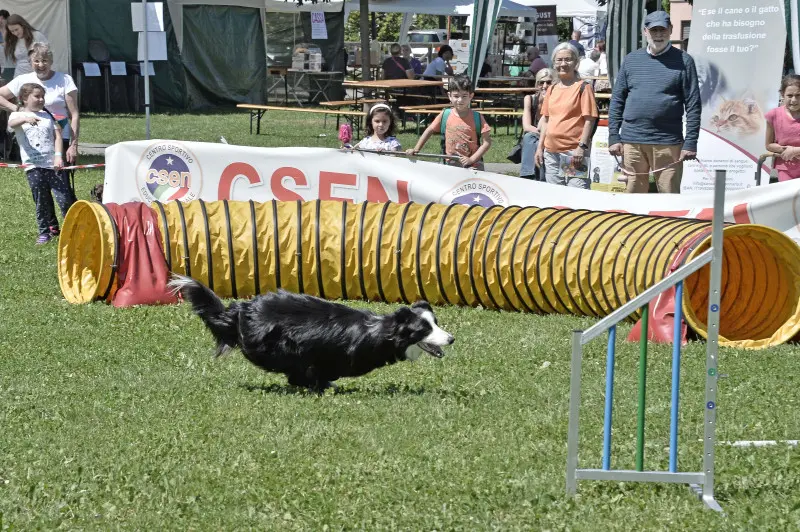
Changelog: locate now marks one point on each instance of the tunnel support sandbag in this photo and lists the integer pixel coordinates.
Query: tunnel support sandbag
(524, 259)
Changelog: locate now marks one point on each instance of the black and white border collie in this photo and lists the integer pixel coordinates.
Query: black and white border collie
(312, 341)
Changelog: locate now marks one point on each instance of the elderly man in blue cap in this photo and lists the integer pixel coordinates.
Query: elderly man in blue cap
(653, 90)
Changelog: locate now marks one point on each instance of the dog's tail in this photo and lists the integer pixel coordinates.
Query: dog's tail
(221, 321)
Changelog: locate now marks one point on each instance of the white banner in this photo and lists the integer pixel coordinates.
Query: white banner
(738, 48)
(167, 170)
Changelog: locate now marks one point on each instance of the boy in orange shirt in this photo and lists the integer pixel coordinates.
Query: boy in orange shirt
(460, 127)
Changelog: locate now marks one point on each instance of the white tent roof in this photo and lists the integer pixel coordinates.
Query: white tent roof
(567, 8)
(508, 8)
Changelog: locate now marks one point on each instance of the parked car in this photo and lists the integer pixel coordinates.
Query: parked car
(422, 41)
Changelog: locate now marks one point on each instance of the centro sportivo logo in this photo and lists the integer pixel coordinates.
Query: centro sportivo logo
(476, 192)
(168, 171)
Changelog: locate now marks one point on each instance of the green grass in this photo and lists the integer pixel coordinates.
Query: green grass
(120, 419)
(278, 128)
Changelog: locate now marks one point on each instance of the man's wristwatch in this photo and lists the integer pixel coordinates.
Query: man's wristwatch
(583, 146)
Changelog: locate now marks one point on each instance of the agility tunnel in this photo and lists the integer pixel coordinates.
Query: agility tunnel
(519, 259)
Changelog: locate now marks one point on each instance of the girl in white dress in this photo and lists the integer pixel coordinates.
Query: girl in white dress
(380, 130)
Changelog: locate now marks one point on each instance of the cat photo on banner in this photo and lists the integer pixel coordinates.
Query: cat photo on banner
(733, 44)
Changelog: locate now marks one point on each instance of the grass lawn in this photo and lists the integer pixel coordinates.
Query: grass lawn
(278, 128)
(120, 419)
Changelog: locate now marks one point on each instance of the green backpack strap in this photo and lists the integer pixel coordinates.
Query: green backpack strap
(476, 117)
(445, 115)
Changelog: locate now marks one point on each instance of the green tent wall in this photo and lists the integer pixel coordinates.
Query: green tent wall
(223, 59)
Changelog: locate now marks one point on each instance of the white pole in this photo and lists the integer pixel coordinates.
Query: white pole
(146, 75)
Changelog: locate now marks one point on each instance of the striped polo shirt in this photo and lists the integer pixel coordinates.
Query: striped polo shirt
(651, 95)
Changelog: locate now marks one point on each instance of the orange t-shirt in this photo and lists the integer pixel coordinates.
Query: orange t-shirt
(565, 109)
(460, 135)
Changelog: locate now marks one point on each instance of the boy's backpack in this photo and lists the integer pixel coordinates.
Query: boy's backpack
(476, 116)
(597, 109)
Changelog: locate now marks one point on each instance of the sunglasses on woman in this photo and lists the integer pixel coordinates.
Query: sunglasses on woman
(545, 82)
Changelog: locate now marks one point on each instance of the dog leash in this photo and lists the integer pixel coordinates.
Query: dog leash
(74, 167)
(670, 165)
(629, 173)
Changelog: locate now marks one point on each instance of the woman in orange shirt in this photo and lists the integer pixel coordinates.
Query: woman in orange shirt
(568, 116)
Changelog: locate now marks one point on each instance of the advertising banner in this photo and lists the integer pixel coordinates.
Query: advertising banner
(166, 170)
(738, 48)
(546, 31)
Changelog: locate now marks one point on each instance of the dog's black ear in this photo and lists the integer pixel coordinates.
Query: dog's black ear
(424, 305)
(405, 315)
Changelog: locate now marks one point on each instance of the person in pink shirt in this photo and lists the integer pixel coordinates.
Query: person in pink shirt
(783, 130)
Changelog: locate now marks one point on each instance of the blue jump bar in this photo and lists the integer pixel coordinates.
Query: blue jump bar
(676, 380)
(612, 341)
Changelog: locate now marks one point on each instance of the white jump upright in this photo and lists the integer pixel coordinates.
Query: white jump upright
(702, 482)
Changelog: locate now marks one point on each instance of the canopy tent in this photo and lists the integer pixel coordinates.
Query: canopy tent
(266, 6)
(567, 8)
(49, 17)
(508, 8)
(484, 17)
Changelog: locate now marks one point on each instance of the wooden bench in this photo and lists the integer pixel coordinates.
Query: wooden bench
(344, 103)
(257, 111)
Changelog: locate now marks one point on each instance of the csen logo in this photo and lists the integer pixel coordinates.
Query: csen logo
(476, 192)
(168, 171)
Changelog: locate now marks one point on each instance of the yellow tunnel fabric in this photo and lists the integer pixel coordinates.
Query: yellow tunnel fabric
(524, 259)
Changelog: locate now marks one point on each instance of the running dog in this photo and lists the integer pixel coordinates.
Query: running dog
(312, 341)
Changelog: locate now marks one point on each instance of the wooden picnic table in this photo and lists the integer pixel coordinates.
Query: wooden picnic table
(388, 84)
(506, 90)
(504, 80)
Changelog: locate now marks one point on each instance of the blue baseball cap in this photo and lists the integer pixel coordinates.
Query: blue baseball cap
(657, 19)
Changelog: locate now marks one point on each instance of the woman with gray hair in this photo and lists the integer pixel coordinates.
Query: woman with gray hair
(569, 113)
(60, 96)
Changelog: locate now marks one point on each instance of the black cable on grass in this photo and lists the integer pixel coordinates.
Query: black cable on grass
(231, 259)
